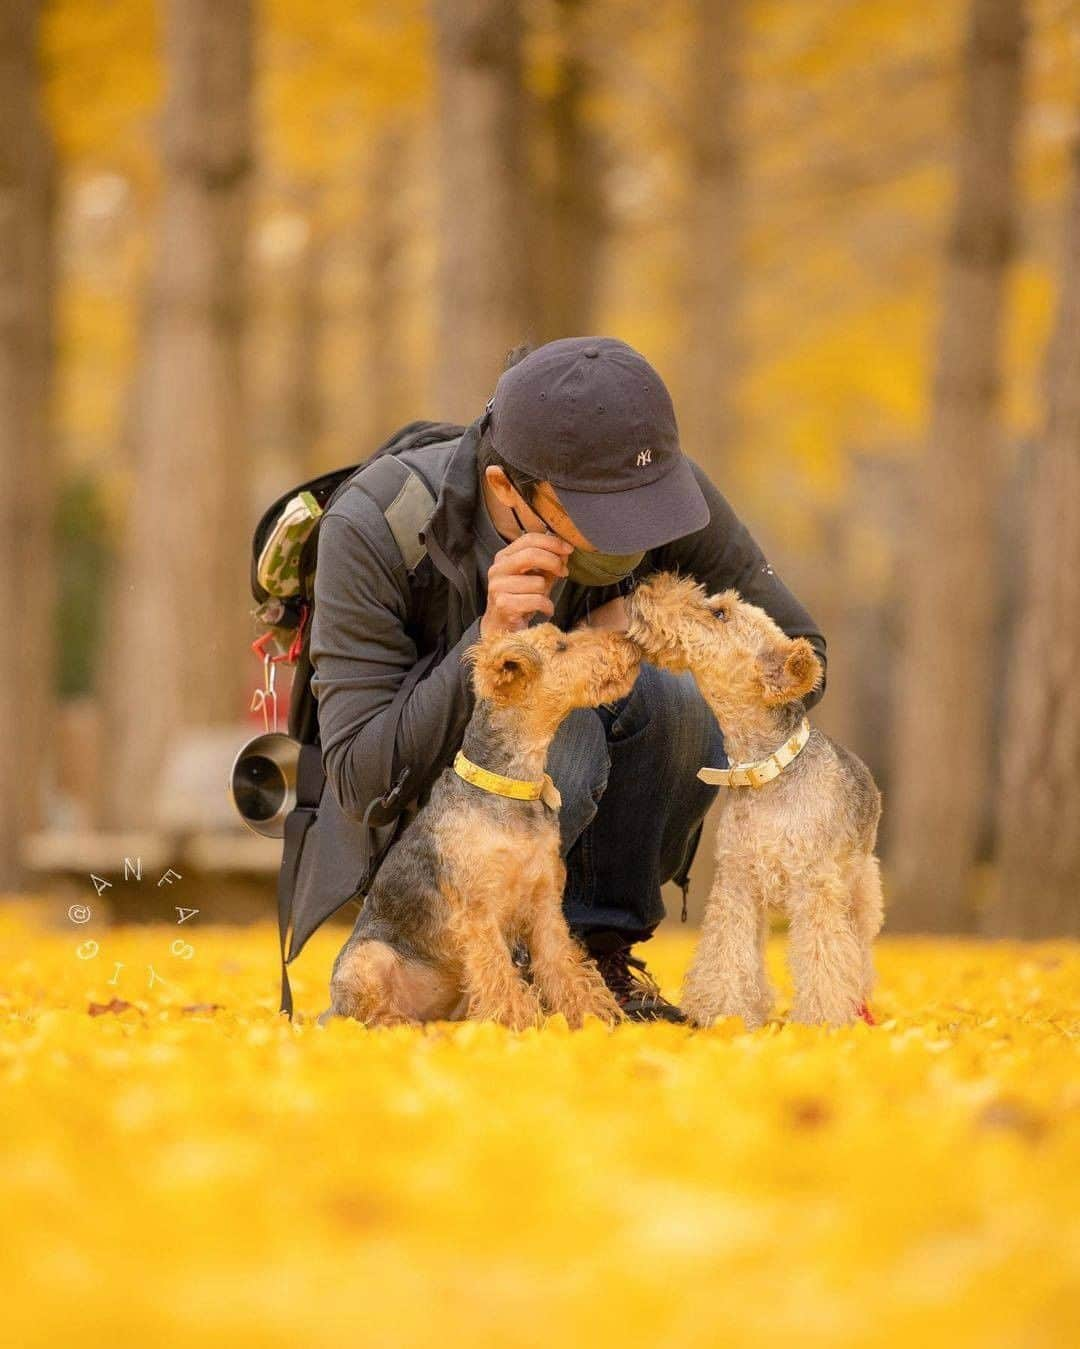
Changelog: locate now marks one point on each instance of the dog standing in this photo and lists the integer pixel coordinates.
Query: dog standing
(479, 869)
(799, 824)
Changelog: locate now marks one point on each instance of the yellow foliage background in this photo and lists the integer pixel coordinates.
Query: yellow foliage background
(178, 1173)
(221, 1177)
(850, 128)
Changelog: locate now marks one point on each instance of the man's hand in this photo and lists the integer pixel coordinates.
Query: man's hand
(520, 579)
(611, 614)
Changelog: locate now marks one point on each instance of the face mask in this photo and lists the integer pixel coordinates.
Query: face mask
(600, 569)
(592, 569)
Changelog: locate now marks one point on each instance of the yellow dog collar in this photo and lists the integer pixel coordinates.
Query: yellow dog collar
(763, 770)
(518, 788)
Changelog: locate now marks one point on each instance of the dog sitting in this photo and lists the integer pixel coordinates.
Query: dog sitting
(478, 872)
(799, 822)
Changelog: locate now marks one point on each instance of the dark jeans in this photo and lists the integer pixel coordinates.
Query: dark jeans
(631, 800)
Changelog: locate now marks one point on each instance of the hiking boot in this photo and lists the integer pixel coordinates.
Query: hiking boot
(635, 990)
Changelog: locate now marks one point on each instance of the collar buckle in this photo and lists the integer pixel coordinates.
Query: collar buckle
(757, 775)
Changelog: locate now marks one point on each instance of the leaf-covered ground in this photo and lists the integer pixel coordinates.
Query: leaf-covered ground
(217, 1177)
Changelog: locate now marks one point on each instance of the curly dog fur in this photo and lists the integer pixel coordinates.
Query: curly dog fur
(475, 874)
(802, 843)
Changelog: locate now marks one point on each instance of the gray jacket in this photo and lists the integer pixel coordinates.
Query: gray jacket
(375, 618)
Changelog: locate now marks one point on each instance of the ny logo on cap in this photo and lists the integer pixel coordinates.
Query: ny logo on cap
(644, 457)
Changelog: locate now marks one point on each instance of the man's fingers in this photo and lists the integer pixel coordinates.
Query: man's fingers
(551, 542)
(510, 611)
(525, 604)
(513, 563)
(527, 583)
(519, 580)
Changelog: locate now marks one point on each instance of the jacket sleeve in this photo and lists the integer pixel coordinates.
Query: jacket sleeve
(361, 652)
(724, 555)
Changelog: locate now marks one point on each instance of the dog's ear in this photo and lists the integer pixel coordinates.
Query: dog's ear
(503, 669)
(788, 671)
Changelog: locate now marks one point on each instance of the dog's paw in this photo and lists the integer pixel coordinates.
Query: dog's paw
(602, 1005)
(519, 1012)
(705, 1012)
(817, 1013)
(524, 1017)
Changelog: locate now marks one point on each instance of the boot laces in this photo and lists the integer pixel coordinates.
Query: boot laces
(628, 977)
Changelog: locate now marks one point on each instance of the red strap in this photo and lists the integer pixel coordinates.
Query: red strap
(259, 646)
(293, 654)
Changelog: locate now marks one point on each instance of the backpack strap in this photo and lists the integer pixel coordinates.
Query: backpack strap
(407, 510)
(309, 783)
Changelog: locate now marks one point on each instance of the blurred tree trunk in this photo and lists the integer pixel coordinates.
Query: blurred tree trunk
(941, 747)
(180, 624)
(383, 320)
(713, 278)
(483, 268)
(1039, 792)
(284, 345)
(574, 220)
(851, 575)
(299, 422)
(303, 401)
(27, 483)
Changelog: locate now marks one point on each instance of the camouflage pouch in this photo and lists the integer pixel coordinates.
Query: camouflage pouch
(278, 568)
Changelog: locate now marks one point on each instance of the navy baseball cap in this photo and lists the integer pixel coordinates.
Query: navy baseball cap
(591, 416)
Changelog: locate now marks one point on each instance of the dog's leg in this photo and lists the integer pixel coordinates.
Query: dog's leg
(364, 986)
(727, 975)
(869, 915)
(765, 991)
(567, 980)
(825, 951)
(495, 988)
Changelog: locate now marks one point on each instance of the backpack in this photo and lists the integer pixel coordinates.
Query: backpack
(284, 547)
(284, 550)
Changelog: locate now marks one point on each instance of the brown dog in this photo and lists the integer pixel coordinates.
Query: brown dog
(479, 869)
(799, 821)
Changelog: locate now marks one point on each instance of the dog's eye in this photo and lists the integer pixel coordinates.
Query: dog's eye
(561, 646)
(721, 614)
